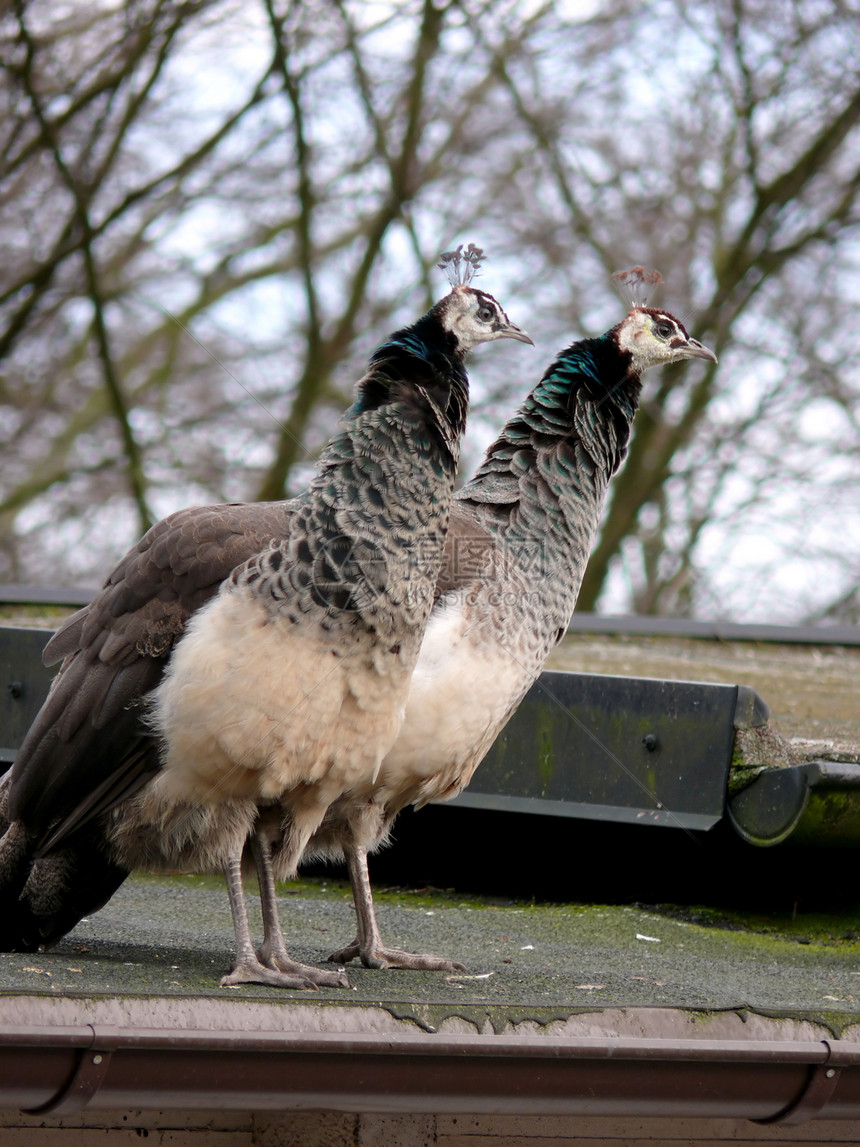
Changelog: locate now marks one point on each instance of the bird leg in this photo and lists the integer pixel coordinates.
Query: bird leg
(368, 942)
(273, 953)
(248, 969)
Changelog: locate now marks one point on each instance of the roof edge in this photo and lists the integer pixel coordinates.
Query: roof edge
(61, 1070)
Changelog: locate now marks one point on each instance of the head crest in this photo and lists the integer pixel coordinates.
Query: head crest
(461, 266)
(636, 285)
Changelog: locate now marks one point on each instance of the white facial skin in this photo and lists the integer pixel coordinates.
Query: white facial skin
(475, 317)
(655, 338)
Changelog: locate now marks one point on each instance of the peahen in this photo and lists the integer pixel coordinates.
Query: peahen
(520, 535)
(245, 666)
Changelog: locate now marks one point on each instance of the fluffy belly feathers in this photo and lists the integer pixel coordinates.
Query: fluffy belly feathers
(442, 740)
(252, 707)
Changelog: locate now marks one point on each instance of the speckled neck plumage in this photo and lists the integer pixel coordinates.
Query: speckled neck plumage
(381, 495)
(546, 475)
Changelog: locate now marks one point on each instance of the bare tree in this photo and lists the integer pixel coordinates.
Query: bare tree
(735, 170)
(213, 210)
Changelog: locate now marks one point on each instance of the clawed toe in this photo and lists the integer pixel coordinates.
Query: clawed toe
(253, 972)
(344, 955)
(380, 957)
(318, 977)
(394, 958)
(284, 974)
(323, 979)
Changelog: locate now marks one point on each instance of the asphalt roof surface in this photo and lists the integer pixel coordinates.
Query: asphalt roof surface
(542, 966)
(161, 944)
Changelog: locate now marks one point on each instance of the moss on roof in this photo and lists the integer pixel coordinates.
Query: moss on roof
(171, 937)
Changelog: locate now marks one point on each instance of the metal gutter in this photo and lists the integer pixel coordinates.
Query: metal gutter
(815, 803)
(62, 1070)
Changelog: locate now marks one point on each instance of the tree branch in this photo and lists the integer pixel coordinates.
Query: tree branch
(328, 351)
(134, 465)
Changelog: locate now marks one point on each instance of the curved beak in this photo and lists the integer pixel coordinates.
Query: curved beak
(695, 349)
(512, 331)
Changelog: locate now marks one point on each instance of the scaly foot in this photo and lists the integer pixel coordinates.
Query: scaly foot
(273, 954)
(382, 957)
(253, 972)
(287, 974)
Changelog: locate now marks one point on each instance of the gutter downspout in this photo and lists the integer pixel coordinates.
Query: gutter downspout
(61, 1070)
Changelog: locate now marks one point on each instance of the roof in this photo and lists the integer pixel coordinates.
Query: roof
(580, 982)
(811, 688)
(569, 1001)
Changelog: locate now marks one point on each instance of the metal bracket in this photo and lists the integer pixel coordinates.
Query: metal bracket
(820, 1086)
(86, 1079)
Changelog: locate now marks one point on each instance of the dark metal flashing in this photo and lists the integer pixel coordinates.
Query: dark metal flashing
(62, 1070)
(11, 594)
(626, 749)
(24, 683)
(617, 814)
(751, 711)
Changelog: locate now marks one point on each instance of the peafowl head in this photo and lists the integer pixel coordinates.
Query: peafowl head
(652, 337)
(472, 316)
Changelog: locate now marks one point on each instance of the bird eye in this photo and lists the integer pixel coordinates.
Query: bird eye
(663, 329)
(486, 313)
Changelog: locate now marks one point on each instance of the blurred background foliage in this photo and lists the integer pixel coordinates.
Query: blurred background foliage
(213, 210)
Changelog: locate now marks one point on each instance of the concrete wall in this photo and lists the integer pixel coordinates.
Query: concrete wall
(312, 1129)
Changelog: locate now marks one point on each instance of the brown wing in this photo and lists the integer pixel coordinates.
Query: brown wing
(86, 749)
(467, 547)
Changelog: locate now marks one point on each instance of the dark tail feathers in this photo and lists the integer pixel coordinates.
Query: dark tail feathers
(41, 900)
